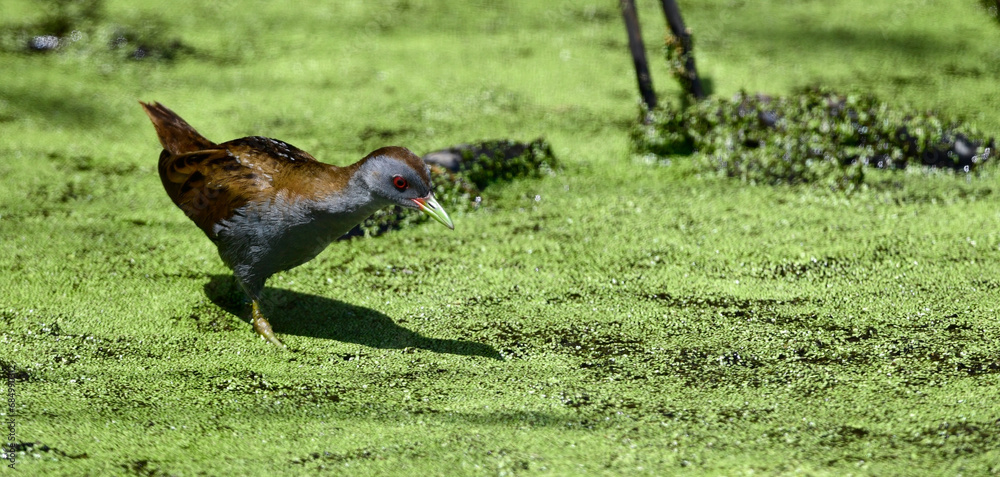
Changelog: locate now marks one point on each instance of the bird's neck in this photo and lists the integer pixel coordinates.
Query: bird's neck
(352, 200)
(341, 208)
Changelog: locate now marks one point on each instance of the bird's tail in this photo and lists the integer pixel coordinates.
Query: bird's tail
(176, 135)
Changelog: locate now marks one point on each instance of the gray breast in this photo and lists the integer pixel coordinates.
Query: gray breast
(259, 241)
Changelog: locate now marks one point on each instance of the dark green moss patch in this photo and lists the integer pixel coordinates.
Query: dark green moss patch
(210, 319)
(493, 161)
(812, 136)
(38, 450)
(147, 40)
(144, 468)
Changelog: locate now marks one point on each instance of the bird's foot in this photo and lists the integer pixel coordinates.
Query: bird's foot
(263, 328)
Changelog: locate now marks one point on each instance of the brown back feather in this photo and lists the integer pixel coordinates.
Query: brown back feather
(210, 181)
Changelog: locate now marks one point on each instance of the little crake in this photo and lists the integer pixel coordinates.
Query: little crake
(269, 206)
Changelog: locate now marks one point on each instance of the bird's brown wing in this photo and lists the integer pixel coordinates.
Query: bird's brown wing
(207, 185)
(212, 184)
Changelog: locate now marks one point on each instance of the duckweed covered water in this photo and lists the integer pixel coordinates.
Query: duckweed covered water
(617, 317)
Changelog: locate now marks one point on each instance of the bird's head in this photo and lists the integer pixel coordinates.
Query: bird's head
(402, 178)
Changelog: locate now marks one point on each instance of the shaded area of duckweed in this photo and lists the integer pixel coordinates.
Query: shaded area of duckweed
(85, 28)
(770, 343)
(992, 8)
(814, 135)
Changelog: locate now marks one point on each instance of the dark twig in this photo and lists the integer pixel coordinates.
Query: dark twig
(638, 53)
(690, 74)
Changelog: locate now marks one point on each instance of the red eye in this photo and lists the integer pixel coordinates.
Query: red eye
(399, 183)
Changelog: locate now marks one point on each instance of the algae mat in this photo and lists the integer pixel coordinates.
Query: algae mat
(614, 318)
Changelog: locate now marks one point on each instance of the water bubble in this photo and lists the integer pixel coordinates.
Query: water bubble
(44, 43)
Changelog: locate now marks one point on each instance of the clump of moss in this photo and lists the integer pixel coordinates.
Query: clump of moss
(499, 160)
(813, 136)
(460, 173)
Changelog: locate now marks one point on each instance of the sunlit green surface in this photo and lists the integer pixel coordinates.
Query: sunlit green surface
(617, 318)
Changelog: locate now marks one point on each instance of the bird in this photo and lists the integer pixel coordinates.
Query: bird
(269, 206)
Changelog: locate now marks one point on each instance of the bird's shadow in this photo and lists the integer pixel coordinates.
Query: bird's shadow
(314, 316)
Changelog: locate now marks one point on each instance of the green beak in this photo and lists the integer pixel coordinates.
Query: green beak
(430, 206)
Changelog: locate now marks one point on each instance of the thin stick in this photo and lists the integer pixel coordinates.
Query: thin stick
(638, 50)
(673, 14)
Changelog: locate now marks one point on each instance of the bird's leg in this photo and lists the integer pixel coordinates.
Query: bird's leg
(252, 288)
(262, 327)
